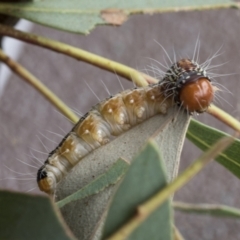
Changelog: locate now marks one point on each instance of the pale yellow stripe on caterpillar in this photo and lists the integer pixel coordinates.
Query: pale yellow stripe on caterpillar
(107, 119)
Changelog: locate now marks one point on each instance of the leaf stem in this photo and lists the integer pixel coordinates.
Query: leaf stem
(131, 74)
(176, 234)
(32, 80)
(224, 117)
(145, 209)
(210, 209)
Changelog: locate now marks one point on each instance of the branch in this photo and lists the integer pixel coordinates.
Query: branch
(32, 80)
(224, 117)
(176, 234)
(209, 209)
(131, 74)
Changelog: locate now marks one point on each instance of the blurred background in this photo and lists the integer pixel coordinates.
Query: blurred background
(25, 116)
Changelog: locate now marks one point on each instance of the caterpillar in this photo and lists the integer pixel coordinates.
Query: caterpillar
(185, 84)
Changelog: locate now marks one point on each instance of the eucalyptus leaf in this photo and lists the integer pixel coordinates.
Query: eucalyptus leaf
(111, 176)
(25, 216)
(85, 217)
(204, 137)
(82, 16)
(145, 177)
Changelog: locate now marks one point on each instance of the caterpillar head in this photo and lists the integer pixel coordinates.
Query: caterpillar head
(190, 86)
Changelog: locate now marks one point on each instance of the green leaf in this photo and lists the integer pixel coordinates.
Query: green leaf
(82, 16)
(145, 177)
(110, 177)
(30, 217)
(86, 217)
(204, 137)
(208, 209)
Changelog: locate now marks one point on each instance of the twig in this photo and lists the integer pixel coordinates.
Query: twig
(224, 117)
(209, 209)
(32, 80)
(176, 234)
(104, 63)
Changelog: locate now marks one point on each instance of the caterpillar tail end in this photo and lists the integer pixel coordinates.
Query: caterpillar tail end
(45, 182)
(44, 186)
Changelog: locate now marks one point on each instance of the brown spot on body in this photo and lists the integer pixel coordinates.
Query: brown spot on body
(186, 64)
(67, 148)
(135, 104)
(114, 110)
(134, 97)
(155, 95)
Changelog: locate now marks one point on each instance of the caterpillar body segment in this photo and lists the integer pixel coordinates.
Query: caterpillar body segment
(103, 122)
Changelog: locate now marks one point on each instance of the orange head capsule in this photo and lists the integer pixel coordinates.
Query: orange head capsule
(190, 86)
(197, 96)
